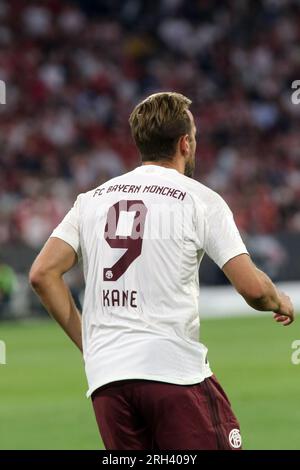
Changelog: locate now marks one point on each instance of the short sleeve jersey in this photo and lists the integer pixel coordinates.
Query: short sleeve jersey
(141, 237)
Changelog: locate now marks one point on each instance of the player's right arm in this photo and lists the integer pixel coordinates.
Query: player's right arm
(224, 245)
(257, 289)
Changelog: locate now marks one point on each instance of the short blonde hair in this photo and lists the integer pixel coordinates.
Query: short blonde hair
(158, 122)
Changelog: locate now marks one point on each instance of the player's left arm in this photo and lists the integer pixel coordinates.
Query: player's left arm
(46, 278)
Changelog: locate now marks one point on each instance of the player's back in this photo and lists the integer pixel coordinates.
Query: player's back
(142, 236)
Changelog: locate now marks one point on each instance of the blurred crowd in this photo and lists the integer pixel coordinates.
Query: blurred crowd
(74, 71)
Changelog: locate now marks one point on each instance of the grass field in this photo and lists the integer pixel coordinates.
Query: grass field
(42, 386)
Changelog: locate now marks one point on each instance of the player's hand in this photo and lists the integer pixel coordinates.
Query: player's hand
(285, 314)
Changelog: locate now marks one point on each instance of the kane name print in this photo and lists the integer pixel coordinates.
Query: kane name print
(139, 189)
(119, 298)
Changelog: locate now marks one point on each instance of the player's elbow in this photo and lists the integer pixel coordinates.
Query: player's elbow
(254, 294)
(38, 276)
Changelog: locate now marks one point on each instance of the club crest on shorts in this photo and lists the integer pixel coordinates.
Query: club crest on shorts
(235, 438)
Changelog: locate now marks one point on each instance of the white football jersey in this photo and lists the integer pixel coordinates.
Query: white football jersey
(141, 237)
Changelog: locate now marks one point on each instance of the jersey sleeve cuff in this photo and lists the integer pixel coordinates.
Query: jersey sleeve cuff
(228, 256)
(66, 238)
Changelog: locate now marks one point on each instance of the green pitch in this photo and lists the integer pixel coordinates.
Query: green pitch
(42, 386)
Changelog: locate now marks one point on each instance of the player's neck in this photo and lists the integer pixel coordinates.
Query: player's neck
(175, 164)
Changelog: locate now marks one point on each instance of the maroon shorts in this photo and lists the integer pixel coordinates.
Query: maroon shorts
(148, 415)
